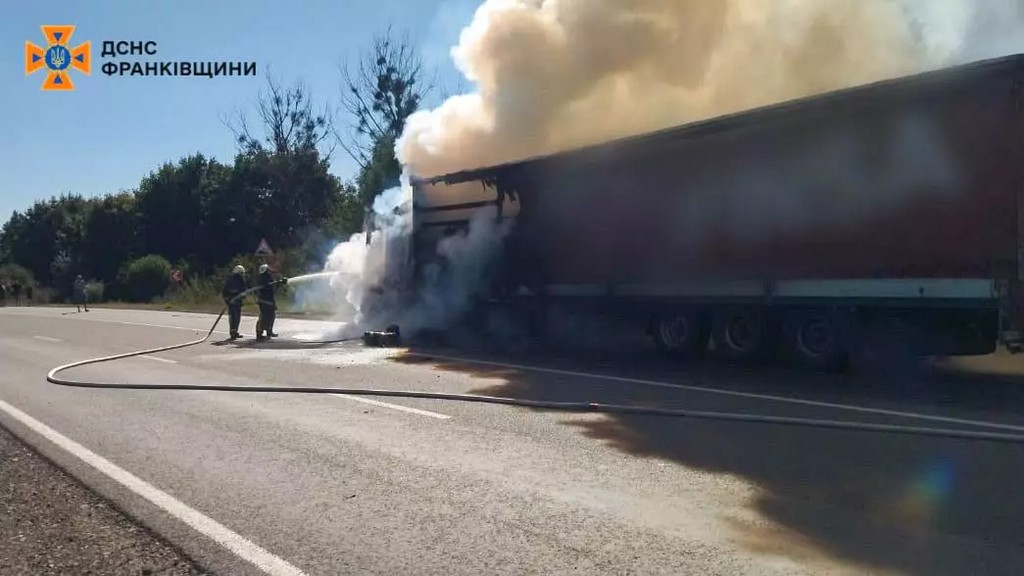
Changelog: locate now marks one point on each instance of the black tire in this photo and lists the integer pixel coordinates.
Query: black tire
(817, 339)
(742, 334)
(681, 334)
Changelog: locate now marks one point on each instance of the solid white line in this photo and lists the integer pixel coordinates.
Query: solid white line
(237, 544)
(126, 322)
(202, 330)
(784, 399)
(394, 406)
(158, 359)
(46, 338)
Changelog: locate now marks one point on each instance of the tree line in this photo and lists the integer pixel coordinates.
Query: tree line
(199, 215)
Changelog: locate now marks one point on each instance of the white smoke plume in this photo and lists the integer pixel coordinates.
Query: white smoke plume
(360, 267)
(556, 74)
(449, 286)
(366, 274)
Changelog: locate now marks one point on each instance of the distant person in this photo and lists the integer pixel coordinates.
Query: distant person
(267, 302)
(28, 295)
(3, 294)
(16, 292)
(232, 294)
(78, 294)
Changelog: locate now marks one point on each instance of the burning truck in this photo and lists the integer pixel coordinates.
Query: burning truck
(806, 228)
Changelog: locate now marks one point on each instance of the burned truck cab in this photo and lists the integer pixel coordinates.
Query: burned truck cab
(445, 206)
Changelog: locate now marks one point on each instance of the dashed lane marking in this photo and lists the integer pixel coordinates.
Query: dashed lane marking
(394, 406)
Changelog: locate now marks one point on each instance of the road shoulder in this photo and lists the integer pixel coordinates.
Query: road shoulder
(52, 524)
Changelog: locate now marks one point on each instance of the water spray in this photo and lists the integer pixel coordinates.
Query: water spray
(312, 276)
(388, 338)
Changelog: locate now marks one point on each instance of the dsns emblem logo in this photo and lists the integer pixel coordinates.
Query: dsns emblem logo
(58, 58)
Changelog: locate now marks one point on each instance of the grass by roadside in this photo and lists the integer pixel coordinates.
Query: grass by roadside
(51, 524)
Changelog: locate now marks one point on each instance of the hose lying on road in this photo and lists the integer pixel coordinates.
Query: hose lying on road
(542, 404)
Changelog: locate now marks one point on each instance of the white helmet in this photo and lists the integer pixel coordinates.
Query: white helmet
(263, 268)
(238, 270)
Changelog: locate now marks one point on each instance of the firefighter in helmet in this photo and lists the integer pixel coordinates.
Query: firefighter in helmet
(267, 302)
(233, 291)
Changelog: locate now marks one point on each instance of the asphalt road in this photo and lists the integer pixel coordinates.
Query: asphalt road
(284, 484)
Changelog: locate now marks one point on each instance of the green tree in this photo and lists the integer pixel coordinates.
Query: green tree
(345, 216)
(379, 94)
(145, 278)
(10, 235)
(111, 235)
(283, 175)
(11, 272)
(171, 203)
(383, 172)
(47, 238)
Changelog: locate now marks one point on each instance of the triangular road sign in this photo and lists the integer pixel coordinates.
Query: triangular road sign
(264, 249)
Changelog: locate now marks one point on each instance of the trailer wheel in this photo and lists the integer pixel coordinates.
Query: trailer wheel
(681, 334)
(740, 334)
(816, 340)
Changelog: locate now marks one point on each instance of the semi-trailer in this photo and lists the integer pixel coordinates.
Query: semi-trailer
(805, 228)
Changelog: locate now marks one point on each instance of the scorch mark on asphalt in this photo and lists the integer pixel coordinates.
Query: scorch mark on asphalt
(201, 523)
(722, 392)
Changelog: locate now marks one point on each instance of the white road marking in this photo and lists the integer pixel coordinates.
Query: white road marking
(129, 323)
(394, 406)
(234, 542)
(46, 338)
(159, 359)
(125, 322)
(736, 393)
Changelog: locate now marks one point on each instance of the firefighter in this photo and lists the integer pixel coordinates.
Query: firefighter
(267, 302)
(232, 294)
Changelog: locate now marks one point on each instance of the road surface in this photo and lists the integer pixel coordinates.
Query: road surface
(319, 484)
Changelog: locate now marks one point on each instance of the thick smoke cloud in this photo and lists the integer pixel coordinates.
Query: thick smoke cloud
(556, 74)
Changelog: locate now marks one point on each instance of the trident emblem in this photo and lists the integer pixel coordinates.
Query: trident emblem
(57, 58)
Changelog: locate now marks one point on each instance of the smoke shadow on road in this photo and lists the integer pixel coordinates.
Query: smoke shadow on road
(918, 505)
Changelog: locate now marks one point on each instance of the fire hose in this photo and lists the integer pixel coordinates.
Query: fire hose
(577, 406)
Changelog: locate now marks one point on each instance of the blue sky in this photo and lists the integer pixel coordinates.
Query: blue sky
(111, 131)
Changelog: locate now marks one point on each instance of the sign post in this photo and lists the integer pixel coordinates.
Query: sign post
(264, 249)
(266, 254)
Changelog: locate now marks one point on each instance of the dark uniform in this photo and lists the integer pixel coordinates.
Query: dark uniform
(267, 302)
(78, 294)
(234, 286)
